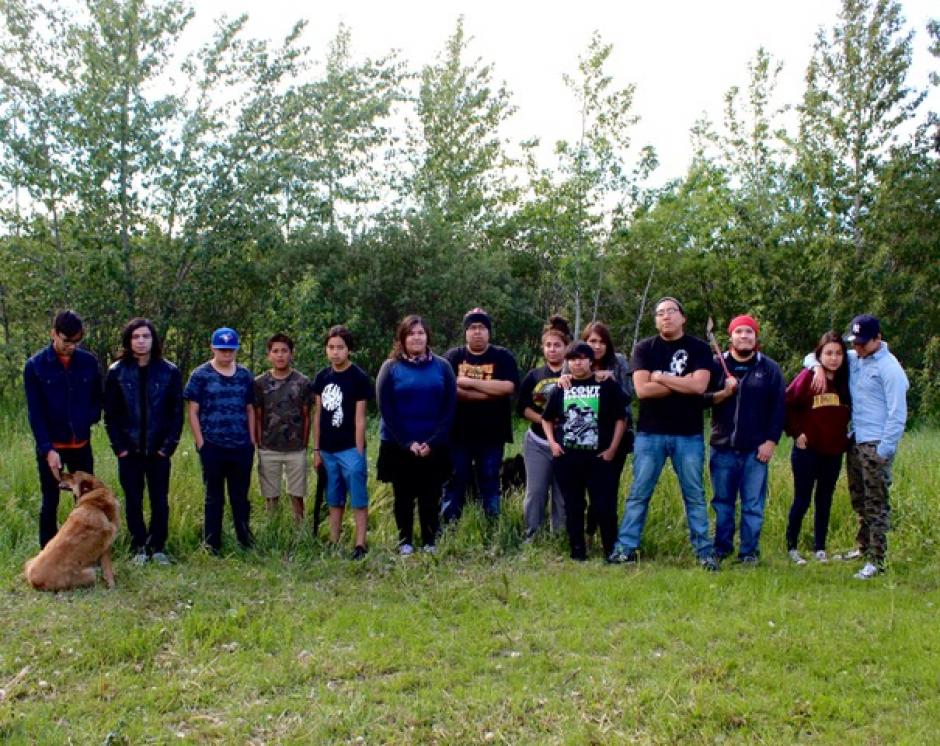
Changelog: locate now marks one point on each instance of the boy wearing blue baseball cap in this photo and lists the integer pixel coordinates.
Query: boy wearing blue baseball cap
(221, 396)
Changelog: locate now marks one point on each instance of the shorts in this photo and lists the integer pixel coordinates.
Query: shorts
(346, 471)
(293, 466)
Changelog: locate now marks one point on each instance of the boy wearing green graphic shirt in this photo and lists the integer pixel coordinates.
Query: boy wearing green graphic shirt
(583, 425)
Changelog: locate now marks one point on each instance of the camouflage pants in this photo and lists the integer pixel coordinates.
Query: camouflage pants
(869, 479)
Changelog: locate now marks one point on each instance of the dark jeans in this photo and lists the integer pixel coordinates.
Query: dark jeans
(73, 459)
(577, 472)
(812, 469)
(620, 460)
(221, 467)
(480, 460)
(136, 470)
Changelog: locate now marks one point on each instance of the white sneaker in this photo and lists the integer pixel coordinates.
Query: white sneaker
(405, 549)
(160, 558)
(852, 554)
(821, 556)
(140, 558)
(429, 549)
(868, 571)
(795, 557)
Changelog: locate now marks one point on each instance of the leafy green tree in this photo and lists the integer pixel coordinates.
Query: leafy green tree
(591, 192)
(856, 102)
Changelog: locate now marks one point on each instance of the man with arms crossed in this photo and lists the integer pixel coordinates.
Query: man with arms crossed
(487, 376)
(670, 373)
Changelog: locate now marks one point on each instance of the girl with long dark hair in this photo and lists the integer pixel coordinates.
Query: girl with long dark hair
(534, 391)
(818, 424)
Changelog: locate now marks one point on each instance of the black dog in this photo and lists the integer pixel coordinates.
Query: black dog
(512, 474)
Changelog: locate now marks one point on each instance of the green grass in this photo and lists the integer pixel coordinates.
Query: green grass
(490, 641)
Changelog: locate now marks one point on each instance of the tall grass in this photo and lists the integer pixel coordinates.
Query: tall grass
(915, 515)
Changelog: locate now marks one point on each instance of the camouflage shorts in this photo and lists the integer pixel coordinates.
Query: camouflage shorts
(869, 480)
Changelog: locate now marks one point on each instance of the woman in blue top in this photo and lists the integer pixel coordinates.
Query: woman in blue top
(417, 395)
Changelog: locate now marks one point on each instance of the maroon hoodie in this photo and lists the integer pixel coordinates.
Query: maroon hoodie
(823, 418)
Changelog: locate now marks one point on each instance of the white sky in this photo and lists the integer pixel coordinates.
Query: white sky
(681, 54)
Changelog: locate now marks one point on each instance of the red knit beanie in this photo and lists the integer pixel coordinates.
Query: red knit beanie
(743, 320)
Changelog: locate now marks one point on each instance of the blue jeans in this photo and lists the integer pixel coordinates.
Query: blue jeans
(482, 461)
(733, 473)
(687, 454)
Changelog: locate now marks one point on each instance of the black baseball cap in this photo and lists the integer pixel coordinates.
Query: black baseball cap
(864, 328)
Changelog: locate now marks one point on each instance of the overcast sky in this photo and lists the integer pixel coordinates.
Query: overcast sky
(681, 54)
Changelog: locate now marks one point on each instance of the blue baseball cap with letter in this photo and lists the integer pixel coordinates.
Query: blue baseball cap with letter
(863, 329)
(225, 338)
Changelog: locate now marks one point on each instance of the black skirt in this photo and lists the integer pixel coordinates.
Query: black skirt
(398, 464)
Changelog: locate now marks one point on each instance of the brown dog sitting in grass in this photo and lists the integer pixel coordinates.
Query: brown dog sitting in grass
(69, 559)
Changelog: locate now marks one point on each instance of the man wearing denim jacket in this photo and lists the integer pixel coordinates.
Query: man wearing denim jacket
(747, 422)
(878, 386)
(63, 399)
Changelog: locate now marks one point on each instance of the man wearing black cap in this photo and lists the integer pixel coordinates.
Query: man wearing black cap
(670, 373)
(487, 376)
(584, 424)
(878, 386)
(63, 398)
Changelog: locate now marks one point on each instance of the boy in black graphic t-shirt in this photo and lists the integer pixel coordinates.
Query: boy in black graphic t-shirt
(583, 425)
(339, 434)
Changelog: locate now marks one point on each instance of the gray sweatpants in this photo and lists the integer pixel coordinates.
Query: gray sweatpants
(539, 479)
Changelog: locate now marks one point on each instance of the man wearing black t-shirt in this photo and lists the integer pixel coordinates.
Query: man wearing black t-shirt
(487, 376)
(670, 372)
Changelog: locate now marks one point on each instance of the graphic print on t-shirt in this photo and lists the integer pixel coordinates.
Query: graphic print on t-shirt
(580, 408)
(477, 372)
(679, 363)
(542, 390)
(332, 399)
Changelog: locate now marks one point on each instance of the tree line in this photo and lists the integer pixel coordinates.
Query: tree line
(244, 184)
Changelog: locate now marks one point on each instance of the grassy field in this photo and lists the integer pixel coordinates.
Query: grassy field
(490, 641)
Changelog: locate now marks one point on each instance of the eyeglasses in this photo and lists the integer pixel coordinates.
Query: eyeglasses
(73, 341)
(667, 312)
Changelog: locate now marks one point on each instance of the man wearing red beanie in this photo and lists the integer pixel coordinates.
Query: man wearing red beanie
(747, 422)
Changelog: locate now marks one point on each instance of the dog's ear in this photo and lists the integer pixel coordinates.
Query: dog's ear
(86, 485)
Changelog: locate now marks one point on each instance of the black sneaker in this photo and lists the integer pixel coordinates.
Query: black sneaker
(359, 552)
(620, 557)
(709, 563)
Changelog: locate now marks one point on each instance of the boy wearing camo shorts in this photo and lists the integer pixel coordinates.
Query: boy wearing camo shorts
(282, 407)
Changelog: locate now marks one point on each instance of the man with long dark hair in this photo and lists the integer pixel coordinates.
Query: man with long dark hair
(143, 413)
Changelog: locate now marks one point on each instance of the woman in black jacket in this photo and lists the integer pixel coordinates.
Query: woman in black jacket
(143, 413)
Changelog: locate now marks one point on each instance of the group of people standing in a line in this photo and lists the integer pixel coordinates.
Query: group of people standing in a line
(445, 422)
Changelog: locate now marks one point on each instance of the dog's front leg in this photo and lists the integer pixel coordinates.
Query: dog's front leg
(107, 570)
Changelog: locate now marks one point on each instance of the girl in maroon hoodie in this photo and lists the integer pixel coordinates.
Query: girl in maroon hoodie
(818, 424)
